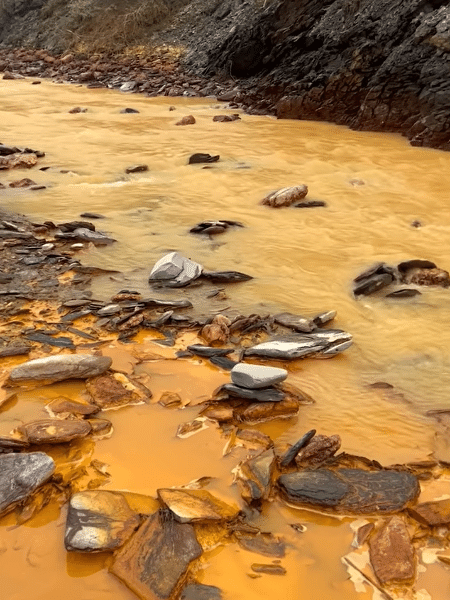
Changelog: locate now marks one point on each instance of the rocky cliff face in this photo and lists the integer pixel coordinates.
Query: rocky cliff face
(369, 64)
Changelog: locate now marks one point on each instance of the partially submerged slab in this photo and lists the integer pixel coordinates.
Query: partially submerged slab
(392, 554)
(155, 561)
(254, 477)
(196, 505)
(115, 390)
(21, 475)
(256, 376)
(54, 431)
(350, 490)
(98, 520)
(60, 367)
(433, 514)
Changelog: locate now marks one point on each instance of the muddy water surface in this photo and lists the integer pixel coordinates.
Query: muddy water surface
(302, 260)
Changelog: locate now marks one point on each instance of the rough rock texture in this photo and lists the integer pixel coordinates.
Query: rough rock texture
(54, 431)
(153, 564)
(196, 505)
(254, 476)
(20, 475)
(60, 367)
(392, 554)
(256, 376)
(350, 490)
(112, 391)
(98, 520)
(433, 514)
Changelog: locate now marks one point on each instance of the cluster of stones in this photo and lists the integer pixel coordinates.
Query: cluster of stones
(416, 272)
(12, 157)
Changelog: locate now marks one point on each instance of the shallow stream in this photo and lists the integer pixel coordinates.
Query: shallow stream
(303, 260)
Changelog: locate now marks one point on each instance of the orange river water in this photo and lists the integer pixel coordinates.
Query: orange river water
(302, 260)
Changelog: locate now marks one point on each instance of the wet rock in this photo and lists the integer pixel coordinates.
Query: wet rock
(22, 183)
(258, 412)
(214, 227)
(86, 235)
(310, 204)
(54, 431)
(128, 86)
(175, 270)
(115, 390)
(190, 506)
(226, 118)
(59, 368)
(292, 452)
(170, 400)
(374, 278)
(136, 169)
(268, 569)
(392, 554)
(302, 346)
(432, 514)
(15, 349)
(262, 543)
(201, 157)
(12, 444)
(108, 310)
(60, 342)
(209, 351)
(8, 150)
(77, 109)
(100, 427)
(185, 430)
(427, 277)
(256, 376)
(187, 120)
(90, 215)
(128, 111)
(417, 263)
(217, 331)
(319, 449)
(404, 293)
(254, 477)
(223, 363)
(18, 161)
(268, 394)
(98, 520)
(73, 225)
(296, 322)
(362, 534)
(73, 407)
(21, 475)
(218, 413)
(154, 563)
(350, 490)
(198, 591)
(285, 196)
(226, 276)
(253, 439)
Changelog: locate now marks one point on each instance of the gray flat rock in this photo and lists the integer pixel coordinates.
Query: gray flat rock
(98, 520)
(198, 591)
(287, 349)
(256, 376)
(60, 367)
(296, 322)
(175, 270)
(350, 490)
(21, 475)
(268, 394)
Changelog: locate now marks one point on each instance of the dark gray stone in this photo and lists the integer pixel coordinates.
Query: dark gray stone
(198, 591)
(60, 367)
(21, 475)
(269, 394)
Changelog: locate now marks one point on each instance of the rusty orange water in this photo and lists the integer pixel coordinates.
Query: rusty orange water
(302, 260)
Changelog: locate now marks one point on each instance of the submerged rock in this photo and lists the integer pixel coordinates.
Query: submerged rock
(214, 227)
(189, 506)
(254, 477)
(198, 591)
(262, 543)
(256, 376)
(115, 390)
(267, 394)
(285, 197)
(320, 343)
(392, 554)
(432, 514)
(54, 431)
(60, 367)
(154, 563)
(296, 322)
(187, 120)
(98, 520)
(350, 490)
(225, 276)
(372, 279)
(84, 234)
(136, 169)
(268, 569)
(201, 157)
(21, 475)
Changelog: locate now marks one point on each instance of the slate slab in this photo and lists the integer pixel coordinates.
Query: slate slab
(196, 505)
(154, 562)
(350, 490)
(256, 376)
(433, 514)
(54, 431)
(254, 476)
(59, 368)
(21, 475)
(98, 520)
(198, 591)
(392, 554)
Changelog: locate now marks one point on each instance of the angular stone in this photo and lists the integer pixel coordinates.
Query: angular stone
(86, 235)
(21, 475)
(115, 390)
(256, 376)
(190, 506)
(60, 367)
(54, 431)
(320, 448)
(372, 284)
(269, 394)
(226, 276)
(433, 514)
(287, 349)
(154, 562)
(285, 196)
(98, 520)
(202, 157)
(175, 268)
(66, 405)
(136, 169)
(187, 120)
(262, 543)
(415, 263)
(392, 554)
(254, 476)
(350, 490)
(209, 351)
(427, 277)
(217, 331)
(258, 412)
(296, 322)
(268, 569)
(292, 452)
(198, 591)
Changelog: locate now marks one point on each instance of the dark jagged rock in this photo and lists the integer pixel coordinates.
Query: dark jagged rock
(198, 591)
(254, 477)
(225, 276)
(392, 554)
(416, 264)
(404, 293)
(209, 351)
(350, 490)
(268, 394)
(201, 157)
(290, 454)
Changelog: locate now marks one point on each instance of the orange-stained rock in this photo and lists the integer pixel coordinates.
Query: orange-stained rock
(188, 120)
(196, 505)
(66, 405)
(432, 514)
(113, 391)
(155, 561)
(54, 431)
(217, 331)
(392, 554)
(285, 196)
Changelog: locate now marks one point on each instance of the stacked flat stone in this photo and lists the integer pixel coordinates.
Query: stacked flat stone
(255, 382)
